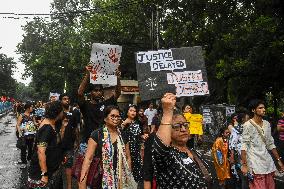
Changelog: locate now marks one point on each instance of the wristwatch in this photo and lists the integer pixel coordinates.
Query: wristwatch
(44, 174)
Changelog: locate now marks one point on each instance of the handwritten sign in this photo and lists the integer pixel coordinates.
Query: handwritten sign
(168, 65)
(54, 96)
(181, 71)
(214, 118)
(184, 77)
(105, 60)
(154, 56)
(230, 110)
(192, 89)
(160, 60)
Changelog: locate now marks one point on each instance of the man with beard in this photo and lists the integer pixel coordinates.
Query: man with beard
(256, 142)
(69, 136)
(92, 110)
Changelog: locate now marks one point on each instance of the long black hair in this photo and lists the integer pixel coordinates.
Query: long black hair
(128, 108)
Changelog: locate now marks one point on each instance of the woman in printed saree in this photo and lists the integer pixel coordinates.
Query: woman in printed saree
(220, 156)
(107, 144)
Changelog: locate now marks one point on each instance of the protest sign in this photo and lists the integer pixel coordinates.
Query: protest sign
(104, 60)
(214, 118)
(180, 71)
(54, 96)
(230, 110)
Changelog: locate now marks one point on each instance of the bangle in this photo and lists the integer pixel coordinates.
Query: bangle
(279, 159)
(165, 124)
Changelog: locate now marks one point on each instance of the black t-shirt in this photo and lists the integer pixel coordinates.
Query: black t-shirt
(46, 136)
(70, 132)
(93, 115)
(77, 115)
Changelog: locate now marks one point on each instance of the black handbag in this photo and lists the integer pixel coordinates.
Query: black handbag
(21, 142)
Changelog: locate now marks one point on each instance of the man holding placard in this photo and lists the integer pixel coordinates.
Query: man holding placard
(104, 58)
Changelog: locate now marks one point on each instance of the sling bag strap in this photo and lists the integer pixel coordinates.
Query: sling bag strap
(259, 132)
(203, 168)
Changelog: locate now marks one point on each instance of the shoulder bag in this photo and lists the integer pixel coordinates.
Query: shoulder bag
(95, 174)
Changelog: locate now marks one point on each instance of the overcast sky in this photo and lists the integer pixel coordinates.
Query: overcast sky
(11, 31)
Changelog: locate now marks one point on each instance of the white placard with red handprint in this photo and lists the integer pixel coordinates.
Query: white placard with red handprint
(105, 60)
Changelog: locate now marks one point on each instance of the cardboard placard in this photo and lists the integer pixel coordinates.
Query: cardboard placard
(180, 71)
(105, 60)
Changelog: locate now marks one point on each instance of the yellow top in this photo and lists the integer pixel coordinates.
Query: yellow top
(195, 120)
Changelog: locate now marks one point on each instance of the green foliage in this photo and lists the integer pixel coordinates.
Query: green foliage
(7, 84)
(242, 40)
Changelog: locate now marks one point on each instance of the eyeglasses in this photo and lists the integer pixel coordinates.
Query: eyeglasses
(178, 126)
(115, 117)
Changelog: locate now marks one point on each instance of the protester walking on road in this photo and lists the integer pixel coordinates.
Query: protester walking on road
(233, 122)
(235, 143)
(133, 135)
(44, 170)
(26, 127)
(107, 145)
(77, 114)
(195, 128)
(187, 111)
(70, 136)
(150, 112)
(143, 120)
(256, 142)
(92, 110)
(39, 112)
(220, 151)
(176, 165)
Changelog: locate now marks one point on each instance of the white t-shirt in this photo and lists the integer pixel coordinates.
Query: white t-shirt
(150, 114)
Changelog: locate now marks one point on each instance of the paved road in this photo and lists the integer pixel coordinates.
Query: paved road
(12, 176)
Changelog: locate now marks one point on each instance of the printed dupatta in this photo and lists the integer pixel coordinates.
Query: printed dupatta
(123, 178)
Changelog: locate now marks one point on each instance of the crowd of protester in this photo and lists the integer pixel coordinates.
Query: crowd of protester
(103, 147)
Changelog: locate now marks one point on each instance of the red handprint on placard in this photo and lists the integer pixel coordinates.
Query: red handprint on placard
(94, 75)
(113, 55)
